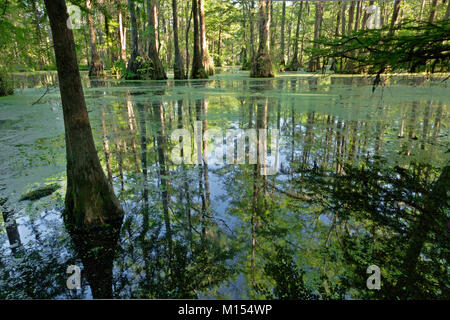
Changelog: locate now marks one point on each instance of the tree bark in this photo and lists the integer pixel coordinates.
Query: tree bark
(96, 67)
(178, 68)
(433, 12)
(206, 58)
(395, 14)
(92, 213)
(158, 72)
(283, 22)
(314, 63)
(447, 12)
(262, 63)
(197, 71)
(295, 65)
(132, 67)
(122, 35)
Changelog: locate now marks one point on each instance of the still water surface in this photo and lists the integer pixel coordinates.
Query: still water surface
(354, 177)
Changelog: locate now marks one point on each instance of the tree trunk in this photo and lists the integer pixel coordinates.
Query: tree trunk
(351, 17)
(262, 63)
(447, 12)
(178, 68)
(395, 13)
(314, 63)
(187, 43)
(252, 30)
(433, 12)
(358, 15)
(295, 65)
(422, 7)
(132, 67)
(92, 213)
(197, 71)
(96, 67)
(38, 33)
(283, 22)
(206, 59)
(158, 72)
(12, 230)
(122, 35)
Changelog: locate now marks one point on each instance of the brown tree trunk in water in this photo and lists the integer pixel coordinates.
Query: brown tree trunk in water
(158, 72)
(262, 63)
(96, 67)
(178, 68)
(197, 71)
(207, 62)
(92, 214)
(132, 67)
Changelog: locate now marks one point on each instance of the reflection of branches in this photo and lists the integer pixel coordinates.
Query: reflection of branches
(46, 91)
(303, 197)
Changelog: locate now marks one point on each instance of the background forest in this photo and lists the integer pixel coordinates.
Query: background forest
(160, 35)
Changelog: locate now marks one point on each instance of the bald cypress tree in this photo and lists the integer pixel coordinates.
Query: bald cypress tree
(92, 213)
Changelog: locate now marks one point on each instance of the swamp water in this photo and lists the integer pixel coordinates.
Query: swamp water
(354, 181)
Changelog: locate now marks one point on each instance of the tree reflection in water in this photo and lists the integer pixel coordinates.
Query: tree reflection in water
(362, 180)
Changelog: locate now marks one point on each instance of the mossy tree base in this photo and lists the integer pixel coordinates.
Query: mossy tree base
(199, 74)
(261, 67)
(96, 69)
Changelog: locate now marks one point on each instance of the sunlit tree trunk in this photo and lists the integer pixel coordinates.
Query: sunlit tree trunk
(132, 67)
(262, 63)
(207, 63)
(158, 72)
(96, 67)
(178, 68)
(197, 71)
(122, 34)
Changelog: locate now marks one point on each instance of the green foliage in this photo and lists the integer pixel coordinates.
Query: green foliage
(409, 47)
(119, 68)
